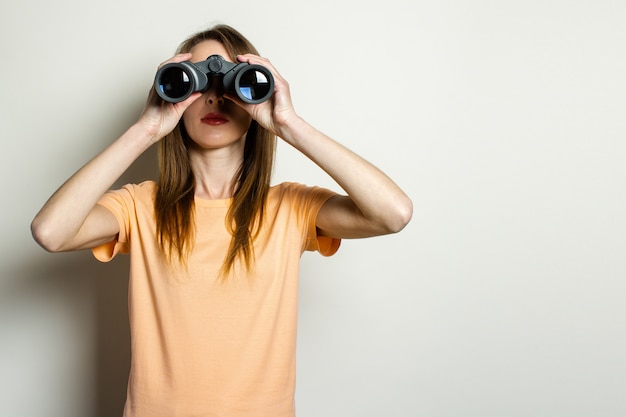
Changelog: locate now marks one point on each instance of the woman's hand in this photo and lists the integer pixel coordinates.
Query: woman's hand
(276, 113)
(160, 117)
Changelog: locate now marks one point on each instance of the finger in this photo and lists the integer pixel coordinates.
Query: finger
(233, 97)
(177, 58)
(255, 59)
(193, 97)
(182, 106)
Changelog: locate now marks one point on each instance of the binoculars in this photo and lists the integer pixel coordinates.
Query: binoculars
(176, 81)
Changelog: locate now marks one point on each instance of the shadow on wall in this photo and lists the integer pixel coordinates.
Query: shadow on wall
(113, 337)
(68, 316)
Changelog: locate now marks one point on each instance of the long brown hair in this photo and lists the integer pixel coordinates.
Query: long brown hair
(174, 202)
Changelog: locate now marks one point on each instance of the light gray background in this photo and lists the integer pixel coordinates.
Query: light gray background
(503, 120)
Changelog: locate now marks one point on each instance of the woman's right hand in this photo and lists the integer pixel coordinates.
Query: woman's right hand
(160, 117)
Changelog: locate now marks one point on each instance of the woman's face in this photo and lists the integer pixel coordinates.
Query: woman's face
(212, 121)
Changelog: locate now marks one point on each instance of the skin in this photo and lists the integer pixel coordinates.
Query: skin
(374, 204)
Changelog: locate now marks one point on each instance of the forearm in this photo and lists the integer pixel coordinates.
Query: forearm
(377, 197)
(62, 216)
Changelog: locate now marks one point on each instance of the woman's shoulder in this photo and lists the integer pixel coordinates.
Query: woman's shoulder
(138, 191)
(286, 189)
(146, 187)
(294, 191)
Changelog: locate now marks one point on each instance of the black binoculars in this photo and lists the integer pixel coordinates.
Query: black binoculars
(176, 81)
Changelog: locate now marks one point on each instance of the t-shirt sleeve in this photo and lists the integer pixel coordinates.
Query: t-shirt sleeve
(121, 204)
(309, 201)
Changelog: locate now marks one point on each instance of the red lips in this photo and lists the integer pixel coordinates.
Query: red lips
(214, 119)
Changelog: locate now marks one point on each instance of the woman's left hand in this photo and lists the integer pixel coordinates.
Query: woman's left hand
(275, 113)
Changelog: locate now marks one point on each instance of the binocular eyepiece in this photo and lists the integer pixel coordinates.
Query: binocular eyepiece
(176, 81)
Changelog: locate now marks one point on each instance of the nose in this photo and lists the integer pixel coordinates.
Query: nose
(215, 94)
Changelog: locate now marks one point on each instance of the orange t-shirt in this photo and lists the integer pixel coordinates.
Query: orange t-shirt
(206, 347)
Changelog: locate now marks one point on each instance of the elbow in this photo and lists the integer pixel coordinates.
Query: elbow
(401, 216)
(44, 236)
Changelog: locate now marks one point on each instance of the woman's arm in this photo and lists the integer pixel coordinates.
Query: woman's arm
(375, 205)
(70, 219)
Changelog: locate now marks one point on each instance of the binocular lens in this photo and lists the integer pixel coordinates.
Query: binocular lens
(253, 85)
(175, 83)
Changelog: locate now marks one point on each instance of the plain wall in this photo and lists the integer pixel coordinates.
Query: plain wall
(503, 120)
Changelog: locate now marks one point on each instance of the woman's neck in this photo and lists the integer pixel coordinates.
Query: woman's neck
(215, 172)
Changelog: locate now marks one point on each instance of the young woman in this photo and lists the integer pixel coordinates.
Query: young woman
(214, 248)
